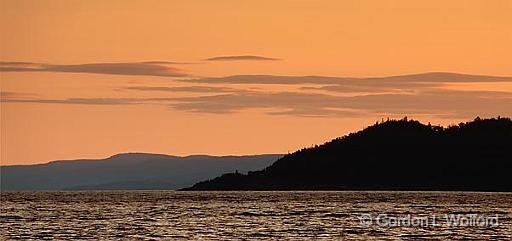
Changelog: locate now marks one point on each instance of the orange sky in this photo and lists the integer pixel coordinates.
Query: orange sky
(69, 111)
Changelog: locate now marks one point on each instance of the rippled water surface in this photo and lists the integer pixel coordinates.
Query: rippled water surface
(168, 215)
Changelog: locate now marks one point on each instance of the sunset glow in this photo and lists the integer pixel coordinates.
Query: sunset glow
(89, 79)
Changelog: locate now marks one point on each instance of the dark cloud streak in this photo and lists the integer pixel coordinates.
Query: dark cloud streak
(241, 58)
(151, 68)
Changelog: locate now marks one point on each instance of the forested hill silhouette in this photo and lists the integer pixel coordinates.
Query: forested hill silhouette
(392, 155)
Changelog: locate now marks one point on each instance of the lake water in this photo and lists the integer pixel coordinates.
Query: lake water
(169, 215)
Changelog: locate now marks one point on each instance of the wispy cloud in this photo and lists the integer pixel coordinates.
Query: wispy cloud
(192, 89)
(148, 68)
(16, 98)
(436, 102)
(350, 84)
(401, 95)
(16, 95)
(241, 58)
(73, 101)
(269, 79)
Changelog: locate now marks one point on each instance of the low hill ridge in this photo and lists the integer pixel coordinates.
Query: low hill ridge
(127, 171)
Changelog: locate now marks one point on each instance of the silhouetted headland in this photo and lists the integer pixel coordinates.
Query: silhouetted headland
(392, 155)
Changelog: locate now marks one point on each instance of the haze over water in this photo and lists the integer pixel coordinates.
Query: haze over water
(173, 215)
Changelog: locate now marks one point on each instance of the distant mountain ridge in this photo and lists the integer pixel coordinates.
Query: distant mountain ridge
(392, 155)
(127, 171)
